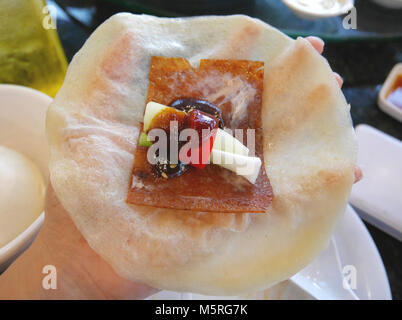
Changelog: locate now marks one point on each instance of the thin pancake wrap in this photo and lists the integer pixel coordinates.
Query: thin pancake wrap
(309, 153)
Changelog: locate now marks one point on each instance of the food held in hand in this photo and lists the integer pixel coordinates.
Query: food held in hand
(160, 214)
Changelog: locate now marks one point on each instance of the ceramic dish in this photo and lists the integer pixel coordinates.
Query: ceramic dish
(324, 277)
(378, 195)
(383, 102)
(22, 128)
(319, 9)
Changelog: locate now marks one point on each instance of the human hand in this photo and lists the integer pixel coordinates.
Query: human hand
(81, 272)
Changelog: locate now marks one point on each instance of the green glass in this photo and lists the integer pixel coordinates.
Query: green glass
(30, 50)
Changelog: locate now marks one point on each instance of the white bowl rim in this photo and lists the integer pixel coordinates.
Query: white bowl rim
(22, 240)
(5, 86)
(14, 247)
(296, 9)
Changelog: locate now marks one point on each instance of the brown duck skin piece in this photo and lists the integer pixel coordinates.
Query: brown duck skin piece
(234, 86)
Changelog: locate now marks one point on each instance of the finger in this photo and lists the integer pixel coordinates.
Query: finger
(358, 174)
(339, 79)
(317, 43)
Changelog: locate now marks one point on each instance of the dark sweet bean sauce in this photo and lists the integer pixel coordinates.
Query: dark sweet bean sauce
(188, 104)
(164, 168)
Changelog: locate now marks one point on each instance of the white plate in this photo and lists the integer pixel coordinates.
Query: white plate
(351, 248)
(22, 128)
(351, 245)
(379, 194)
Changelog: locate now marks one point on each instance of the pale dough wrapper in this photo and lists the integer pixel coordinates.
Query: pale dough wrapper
(309, 149)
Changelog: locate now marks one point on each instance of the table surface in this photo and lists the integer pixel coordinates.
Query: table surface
(363, 64)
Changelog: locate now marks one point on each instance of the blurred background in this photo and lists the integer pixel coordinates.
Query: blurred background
(35, 51)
